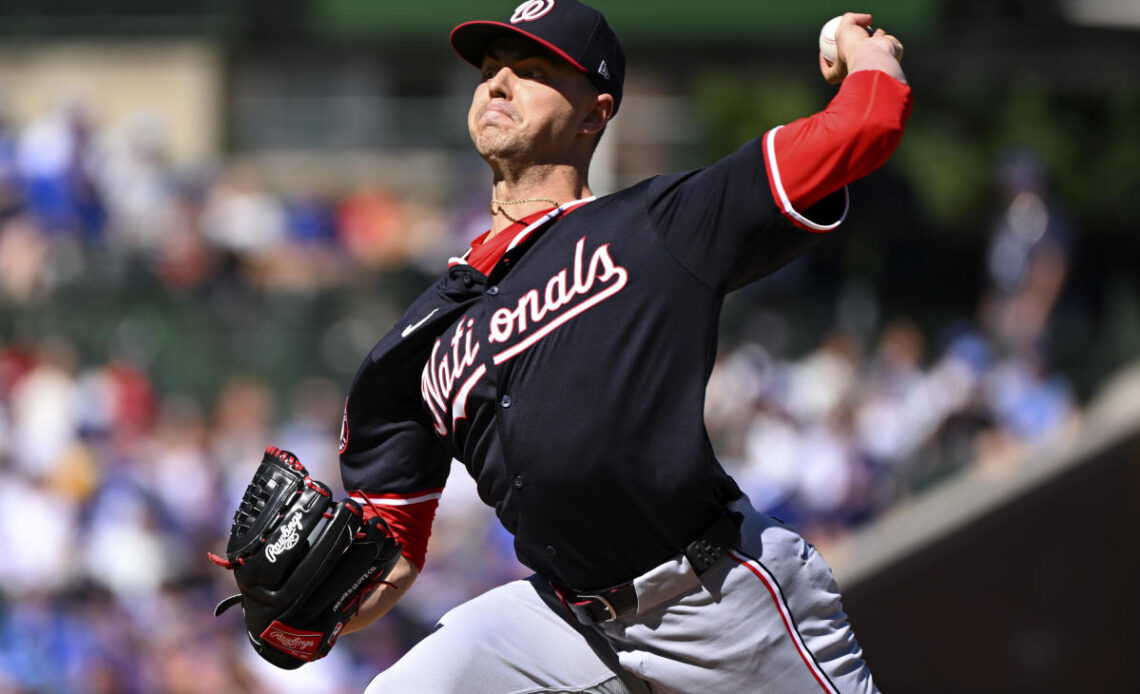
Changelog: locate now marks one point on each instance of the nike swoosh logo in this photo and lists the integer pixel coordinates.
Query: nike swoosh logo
(412, 328)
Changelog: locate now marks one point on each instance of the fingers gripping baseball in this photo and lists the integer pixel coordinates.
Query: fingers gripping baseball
(893, 44)
(848, 43)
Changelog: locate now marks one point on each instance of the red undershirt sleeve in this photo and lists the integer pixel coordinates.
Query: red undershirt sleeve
(811, 158)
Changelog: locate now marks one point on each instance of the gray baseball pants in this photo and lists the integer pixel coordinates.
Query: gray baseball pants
(766, 617)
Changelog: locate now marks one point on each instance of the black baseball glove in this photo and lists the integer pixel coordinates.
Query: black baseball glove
(303, 562)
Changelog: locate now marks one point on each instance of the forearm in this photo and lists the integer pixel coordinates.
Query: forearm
(849, 139)
(382, 599)
(408, 518)
(875, 57)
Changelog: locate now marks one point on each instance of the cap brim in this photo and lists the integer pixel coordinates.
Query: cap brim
(470, 41)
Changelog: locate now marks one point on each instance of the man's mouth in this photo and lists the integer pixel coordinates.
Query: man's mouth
(493, 109)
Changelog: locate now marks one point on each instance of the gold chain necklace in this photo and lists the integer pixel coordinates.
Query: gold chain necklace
(500, 203)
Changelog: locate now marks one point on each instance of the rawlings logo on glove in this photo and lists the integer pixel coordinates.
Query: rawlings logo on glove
(291, 535)
(300, 579)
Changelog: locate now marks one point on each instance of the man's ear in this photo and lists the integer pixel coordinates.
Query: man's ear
(599, 114)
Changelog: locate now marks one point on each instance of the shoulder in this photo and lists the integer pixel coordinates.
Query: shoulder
(429, 314)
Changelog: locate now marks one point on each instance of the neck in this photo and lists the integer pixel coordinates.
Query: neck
(537, 188)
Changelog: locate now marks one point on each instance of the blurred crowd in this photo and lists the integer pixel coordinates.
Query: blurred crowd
(113, 489)
(831, 439)
(110, 496)
(73, 193)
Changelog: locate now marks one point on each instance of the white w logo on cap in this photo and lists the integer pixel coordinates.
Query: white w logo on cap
(531, 10)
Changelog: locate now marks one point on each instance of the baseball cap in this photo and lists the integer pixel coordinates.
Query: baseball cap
(574, 31)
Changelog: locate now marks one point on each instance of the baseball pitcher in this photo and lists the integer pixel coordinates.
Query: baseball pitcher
(563, 359)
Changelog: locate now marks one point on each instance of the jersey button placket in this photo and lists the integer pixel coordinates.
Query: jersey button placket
(505, 403)
(505, 400)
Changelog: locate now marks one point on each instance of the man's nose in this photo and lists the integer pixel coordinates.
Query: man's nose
(500, 83)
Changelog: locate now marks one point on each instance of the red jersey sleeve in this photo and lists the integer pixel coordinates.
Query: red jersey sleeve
(409, 517)
(813, 157)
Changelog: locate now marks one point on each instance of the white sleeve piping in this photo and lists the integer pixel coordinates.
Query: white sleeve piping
(786, 204)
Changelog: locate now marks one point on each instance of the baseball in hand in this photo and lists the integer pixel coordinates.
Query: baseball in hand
(827, 39)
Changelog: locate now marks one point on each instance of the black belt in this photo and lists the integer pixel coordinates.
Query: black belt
(621, 600)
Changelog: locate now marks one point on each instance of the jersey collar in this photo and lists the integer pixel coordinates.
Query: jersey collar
(530, 228)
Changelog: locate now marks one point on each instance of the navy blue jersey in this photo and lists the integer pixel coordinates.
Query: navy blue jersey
(571, 380)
